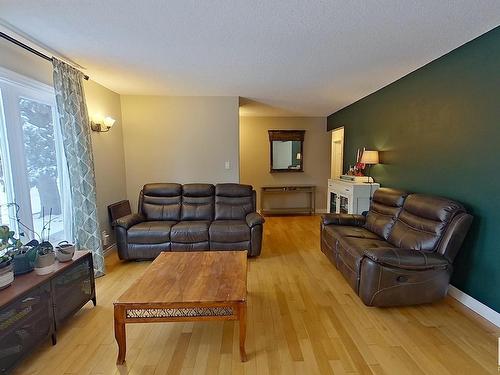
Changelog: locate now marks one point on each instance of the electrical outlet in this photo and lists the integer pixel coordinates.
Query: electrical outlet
(227, 164)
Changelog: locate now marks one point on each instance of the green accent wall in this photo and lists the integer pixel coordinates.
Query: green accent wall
(438, 130)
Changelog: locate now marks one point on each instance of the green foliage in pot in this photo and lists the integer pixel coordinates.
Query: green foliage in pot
(24, 259)
(8, 244)
(45, 248)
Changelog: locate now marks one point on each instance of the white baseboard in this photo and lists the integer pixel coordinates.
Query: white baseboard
(476, 306)
(108, 250)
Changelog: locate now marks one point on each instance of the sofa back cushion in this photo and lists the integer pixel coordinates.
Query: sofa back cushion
(161, 201)
(198, 202)
(423, 222)
(384, 210)
(233, 201)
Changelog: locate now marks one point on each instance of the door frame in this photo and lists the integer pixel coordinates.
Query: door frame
(337, 137)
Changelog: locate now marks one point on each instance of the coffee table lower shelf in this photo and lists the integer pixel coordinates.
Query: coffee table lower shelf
(125, 313)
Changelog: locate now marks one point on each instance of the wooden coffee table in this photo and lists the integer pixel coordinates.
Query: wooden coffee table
(186, 286)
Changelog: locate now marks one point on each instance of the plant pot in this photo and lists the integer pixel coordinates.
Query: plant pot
(44, 264)
(6, 274)
(24, 263)
(65, 252)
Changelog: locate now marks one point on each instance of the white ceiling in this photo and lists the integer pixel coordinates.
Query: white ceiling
(285, 57)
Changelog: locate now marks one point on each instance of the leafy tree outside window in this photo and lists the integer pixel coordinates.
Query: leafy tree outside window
(39, 143)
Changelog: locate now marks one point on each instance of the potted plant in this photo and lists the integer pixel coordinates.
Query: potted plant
(8, 244)
(45, 259)
(65, 251)
(24, 258)
(40, 253)
(6, 271)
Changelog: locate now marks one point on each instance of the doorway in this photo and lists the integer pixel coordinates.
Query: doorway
(337, 159)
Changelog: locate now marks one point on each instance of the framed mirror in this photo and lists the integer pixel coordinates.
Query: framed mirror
(286, 150)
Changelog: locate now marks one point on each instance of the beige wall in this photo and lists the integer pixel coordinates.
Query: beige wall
(107, 147)
(254, 156)
(179, 139)
(25, 63)
(109, 157)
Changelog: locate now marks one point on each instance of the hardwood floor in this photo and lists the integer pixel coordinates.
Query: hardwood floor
(303, 318)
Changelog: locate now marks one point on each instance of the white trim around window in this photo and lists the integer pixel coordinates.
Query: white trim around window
(15, 88)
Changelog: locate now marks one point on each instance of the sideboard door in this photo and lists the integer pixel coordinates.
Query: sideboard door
(72, 289)
(23, 324)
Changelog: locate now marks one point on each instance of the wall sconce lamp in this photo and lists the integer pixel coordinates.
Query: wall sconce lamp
(101, 124)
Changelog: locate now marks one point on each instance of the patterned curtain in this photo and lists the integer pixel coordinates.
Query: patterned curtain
(75, 129)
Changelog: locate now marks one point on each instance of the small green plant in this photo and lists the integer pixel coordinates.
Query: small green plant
(8, 244)
(45, 248)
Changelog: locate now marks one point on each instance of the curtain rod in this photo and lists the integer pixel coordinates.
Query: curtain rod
(32, 50)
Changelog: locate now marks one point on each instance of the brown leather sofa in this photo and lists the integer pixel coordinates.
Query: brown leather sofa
(190, 217)
(401, 252)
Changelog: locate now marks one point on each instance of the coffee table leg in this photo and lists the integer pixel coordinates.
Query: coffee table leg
(242, 317)
(120, 334)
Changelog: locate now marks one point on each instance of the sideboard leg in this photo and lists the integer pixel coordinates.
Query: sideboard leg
(94, 301)
(53, 337)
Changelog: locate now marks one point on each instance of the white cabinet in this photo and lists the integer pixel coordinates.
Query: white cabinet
(349, 197)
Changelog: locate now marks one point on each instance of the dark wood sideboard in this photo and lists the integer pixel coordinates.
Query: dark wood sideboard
(33, 307)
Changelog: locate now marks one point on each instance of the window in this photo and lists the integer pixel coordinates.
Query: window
(33, 170)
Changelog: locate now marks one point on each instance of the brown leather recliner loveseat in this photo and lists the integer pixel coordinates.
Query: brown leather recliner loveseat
(190, 217)
(401, 252)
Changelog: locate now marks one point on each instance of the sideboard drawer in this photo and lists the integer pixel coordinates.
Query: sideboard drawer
(23, 324)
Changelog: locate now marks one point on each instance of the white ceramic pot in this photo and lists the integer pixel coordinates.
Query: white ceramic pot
(6, 276)
(44, 264)
(65, 252)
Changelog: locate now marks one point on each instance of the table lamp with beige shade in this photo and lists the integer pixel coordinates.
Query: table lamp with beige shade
(369, 157)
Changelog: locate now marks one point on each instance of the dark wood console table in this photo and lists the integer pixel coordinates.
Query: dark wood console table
(266, 191)
(33, 307)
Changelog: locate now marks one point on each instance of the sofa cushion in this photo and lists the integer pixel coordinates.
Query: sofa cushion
(162, 189)
(233, 190)
(423, 221)
(343, 219)
(333, 232)
(195, 246)
(146, 250)
(229, 231)
(230, 246)
(161, 201)
(385, 208)
(190, 231)
(198, 202)
(150, 232)
(233, 201)
(350, 253)
(352, 248)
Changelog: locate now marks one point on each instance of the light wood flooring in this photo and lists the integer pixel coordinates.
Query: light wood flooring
(303, 318)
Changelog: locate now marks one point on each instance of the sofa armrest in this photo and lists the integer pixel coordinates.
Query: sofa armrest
(253, 219)
(129, 220)
(406, 259)
(343, 219)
